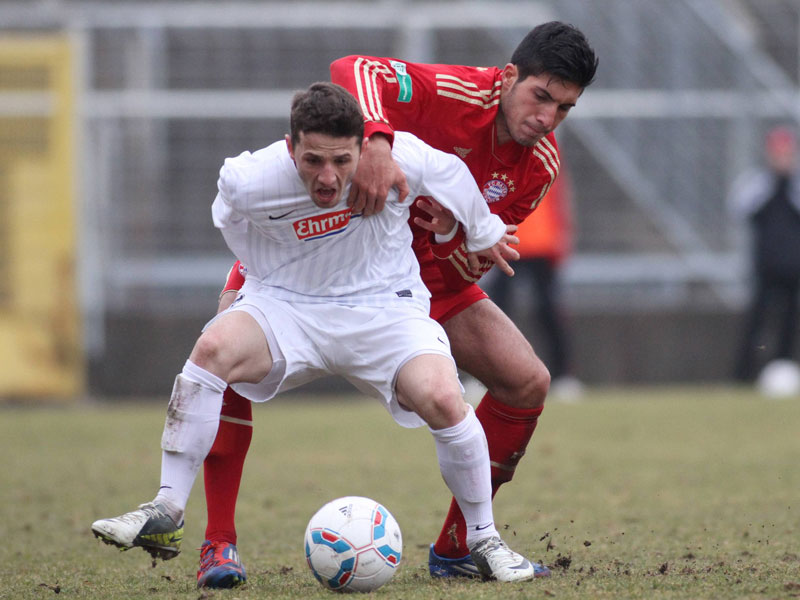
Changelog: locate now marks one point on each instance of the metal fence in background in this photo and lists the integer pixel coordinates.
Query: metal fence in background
(166, 91)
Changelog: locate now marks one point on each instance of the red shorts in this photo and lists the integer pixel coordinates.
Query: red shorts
(446, 305)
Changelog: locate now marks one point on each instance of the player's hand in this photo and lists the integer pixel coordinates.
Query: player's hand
(499, 254)
(375, 175)
(441, 220)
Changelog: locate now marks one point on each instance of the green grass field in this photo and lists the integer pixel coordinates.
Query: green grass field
(640, 493)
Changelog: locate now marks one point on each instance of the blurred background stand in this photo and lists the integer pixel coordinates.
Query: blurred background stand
(159, 93)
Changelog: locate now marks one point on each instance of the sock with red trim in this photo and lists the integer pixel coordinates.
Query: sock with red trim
(508, 431)
(222, 469)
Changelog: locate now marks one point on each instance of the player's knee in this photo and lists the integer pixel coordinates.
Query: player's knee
(209, 353)
(538, 385)
(444, 407)
(528, 389)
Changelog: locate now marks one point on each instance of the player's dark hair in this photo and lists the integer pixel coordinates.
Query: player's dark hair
(326, 108)
(557, 49)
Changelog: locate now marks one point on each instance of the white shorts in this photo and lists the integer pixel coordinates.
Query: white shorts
(365, 345)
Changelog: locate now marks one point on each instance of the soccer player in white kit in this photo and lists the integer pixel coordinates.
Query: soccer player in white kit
(330, 292)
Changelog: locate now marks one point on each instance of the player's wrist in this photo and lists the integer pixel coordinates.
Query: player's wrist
(379, 143)
(443, 238)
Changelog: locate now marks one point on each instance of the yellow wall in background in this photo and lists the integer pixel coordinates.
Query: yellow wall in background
(41, 354)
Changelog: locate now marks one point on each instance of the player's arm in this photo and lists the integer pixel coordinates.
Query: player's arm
(459, 265)
(445, 177)
(455, 261)
(447, 233)
(386, 94)
(375, 175)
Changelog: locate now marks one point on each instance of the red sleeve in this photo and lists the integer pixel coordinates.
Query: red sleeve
(451, 259)
(388, 97)
(355, 73)
(235, 279)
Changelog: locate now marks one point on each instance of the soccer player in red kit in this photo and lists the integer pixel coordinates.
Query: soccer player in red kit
(501, 123)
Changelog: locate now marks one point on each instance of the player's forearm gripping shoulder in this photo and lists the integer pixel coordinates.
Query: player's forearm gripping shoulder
(417, 97)
(445, 177)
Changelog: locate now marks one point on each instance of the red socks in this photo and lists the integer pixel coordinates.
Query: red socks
(222, 471)
(508, 431)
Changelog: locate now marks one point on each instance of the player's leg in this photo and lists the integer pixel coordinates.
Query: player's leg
(428, 385)
(233, 348)
(487, 344)
(220, 566)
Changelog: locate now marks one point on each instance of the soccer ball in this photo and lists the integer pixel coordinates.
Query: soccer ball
(353, 544)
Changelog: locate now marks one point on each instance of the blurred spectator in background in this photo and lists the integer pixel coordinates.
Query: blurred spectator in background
(769, 199)
(545, 242)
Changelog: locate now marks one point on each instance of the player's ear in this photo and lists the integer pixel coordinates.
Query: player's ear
(289, 145)
(510, 75)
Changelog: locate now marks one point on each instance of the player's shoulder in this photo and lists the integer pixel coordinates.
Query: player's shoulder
(473, 86)
(410, 154)
(241, 172)
(250, 161)
(414, 156)
(477, 75)
(406, 142)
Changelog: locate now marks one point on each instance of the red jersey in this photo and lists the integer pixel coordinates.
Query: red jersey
(452, 108)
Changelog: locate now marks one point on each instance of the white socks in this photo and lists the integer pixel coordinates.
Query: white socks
(189, 432)
(464, 463)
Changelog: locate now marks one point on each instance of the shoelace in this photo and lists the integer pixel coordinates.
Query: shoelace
(148, 509)
(502, 555)
(207, 555)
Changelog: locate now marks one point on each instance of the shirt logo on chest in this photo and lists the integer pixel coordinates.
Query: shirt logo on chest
(497, 188)
(324, 225)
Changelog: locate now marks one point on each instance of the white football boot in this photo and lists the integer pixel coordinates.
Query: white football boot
(149, 527)
(497, 561)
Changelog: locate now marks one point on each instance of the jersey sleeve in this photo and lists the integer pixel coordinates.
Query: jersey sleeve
(391, 93)
(446, 178)
(228, 210)
(451, 260)
(451, 257)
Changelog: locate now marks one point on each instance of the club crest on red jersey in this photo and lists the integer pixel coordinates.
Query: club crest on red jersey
(495, 190)
(498, 187)
(324, 225)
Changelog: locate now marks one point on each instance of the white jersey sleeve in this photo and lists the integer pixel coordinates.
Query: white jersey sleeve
(444, 177)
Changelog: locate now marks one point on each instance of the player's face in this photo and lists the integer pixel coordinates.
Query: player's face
(325, 164)
(533, 107)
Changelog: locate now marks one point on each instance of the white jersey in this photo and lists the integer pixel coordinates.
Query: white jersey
(299, 252)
